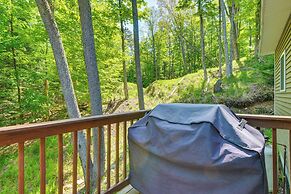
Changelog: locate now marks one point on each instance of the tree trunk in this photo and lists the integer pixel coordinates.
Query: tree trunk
(210, 42)
(192, 52)
(182, 46)
(172, 73)
(231, 41)
(46, 81)
(257, 36)
(202, 40)
(93, 80)
(154, 53)
(14, 61)
(170, 57)
(227, 59)
(250, 40)
(151, 24)
(125, 86)
(63, 71)
(164, 69)
(46, 87)
(137, 57)
(234, 31)
(219, 43)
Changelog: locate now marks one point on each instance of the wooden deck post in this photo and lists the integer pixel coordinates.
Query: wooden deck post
(42, 166)
(75, 161)
(275, 158)
(21, 167)
(60, 164)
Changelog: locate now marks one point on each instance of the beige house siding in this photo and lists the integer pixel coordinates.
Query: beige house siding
(282, 99)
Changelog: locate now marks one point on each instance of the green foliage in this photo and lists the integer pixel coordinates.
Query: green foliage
(252, 80)
(32, 64)
(177, 28)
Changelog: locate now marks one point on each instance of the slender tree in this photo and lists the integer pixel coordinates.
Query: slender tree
(13, 52)
(182, 46)
(177, 27)
(63, 71)
(152, 22)
(234, 30)
(250, 39)
(93, 78)
(202, 44)
(137, 55)
(257, 23)
(125, 86)
(231, 39)
(219, 42)
(170, 57)
(226, 53)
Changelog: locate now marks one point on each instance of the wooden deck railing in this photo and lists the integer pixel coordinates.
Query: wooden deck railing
(116, 123)
(20, 134)
(273, 122)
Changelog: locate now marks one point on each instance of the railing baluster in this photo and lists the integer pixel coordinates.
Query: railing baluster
(99, 160)
(42, 166)
(274, 147)
(88, 137)
(117, 154)
(108, 154)
(75, 161)
(21, 167)
(60, 163)
(124, 150)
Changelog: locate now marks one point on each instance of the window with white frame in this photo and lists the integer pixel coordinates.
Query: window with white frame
(282, 72)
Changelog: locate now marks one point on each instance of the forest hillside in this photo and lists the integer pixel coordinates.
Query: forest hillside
(249, 90)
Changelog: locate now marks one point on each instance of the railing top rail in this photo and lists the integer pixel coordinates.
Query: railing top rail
(19, 133)
(268, 121)
(266, 117)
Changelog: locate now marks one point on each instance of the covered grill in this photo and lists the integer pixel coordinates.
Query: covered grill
(187, 148)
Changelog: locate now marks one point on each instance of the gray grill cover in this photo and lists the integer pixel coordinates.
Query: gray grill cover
(187, 148)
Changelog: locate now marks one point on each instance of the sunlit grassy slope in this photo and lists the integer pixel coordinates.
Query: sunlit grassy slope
(251, 84)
